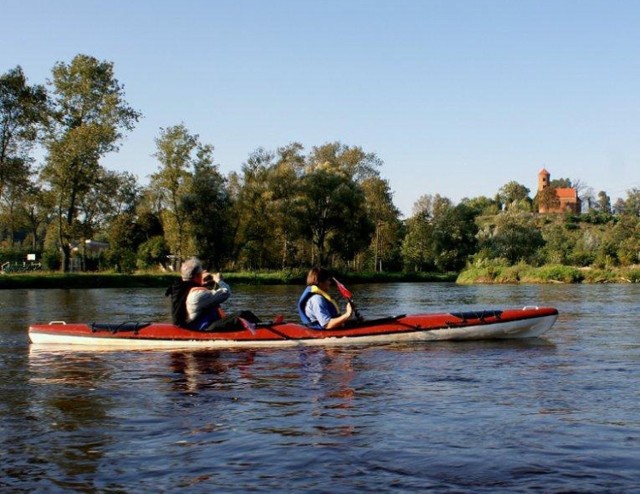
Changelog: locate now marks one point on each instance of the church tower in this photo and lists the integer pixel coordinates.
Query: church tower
(544, 178)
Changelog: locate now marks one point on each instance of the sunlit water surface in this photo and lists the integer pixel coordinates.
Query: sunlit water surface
(554, 414)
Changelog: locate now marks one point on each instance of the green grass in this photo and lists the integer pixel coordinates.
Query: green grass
(488, 272)
(143, 280)
(522, 273)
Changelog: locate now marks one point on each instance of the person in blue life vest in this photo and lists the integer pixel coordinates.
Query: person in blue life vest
(316, 307)
(196, 298)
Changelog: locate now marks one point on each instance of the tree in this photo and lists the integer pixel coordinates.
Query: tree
(254, 228)
(482, 205)
(37, 206)
(453, 238)
(515, 238)
(604, 202)
(440, 236)
(284, 184)
(385, 217)
(513, 193)
(632, 202)
(23, 111)
(207, 208)
(331, 204)
(90, 117)
(547, 199)
(177, 152)
(560, 243)
(416, 254)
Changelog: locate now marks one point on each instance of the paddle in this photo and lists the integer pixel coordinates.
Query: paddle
(344, 291)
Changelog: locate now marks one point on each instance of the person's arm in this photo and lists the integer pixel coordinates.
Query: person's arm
(220, 294)
(340, 320)
(318, 310)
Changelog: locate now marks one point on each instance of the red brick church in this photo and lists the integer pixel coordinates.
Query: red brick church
(568, 200)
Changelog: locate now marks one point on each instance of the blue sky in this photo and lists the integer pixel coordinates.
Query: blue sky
(456, 97)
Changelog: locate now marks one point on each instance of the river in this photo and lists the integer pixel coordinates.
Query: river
(554, 414)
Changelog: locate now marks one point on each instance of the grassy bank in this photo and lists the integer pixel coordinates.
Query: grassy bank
(520, 273)
(161, 280)
(523, 273)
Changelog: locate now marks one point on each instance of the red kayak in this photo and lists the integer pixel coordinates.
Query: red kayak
(528, 322)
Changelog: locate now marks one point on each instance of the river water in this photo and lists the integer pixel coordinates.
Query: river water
(554, 414)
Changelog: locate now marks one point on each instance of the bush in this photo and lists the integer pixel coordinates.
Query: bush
(51, 260)
(563, 274)
(152, 252)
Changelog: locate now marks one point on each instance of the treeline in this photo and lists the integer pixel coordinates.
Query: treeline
(285, 208)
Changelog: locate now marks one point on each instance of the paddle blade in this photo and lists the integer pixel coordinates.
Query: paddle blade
(344, 291)
(247, 325)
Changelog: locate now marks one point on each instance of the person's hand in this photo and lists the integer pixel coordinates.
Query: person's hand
(349, 310)
(217, 277)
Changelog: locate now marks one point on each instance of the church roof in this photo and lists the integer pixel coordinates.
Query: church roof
(567, 193)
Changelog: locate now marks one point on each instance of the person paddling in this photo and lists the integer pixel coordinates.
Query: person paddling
(316, 307)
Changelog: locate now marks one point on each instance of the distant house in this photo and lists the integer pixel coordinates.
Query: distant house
(567, 198)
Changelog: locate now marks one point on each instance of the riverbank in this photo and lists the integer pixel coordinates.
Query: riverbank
(523, 273)
(161, 280)
(520, 273)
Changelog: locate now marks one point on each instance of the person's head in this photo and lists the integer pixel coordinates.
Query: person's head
(191, 269)
(318, 276)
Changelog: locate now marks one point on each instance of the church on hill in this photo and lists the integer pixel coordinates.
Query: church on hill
(566, 199)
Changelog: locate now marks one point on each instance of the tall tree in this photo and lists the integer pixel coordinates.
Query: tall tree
(515, 238)
(453, 238)
(37, 206)
(385, 217)
(632, 202)
(23, 110)
(177, 152)
(284, 182)
(90, 117)
(254, 229)
(331, 204)
(416, 253)
(604, 202)
(207, 207)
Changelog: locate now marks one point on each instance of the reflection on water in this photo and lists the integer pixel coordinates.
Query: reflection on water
(198, 370)
(552, 414)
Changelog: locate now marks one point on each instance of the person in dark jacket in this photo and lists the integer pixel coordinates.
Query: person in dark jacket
(193, 304)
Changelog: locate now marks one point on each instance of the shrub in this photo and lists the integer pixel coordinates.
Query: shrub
(563, 274)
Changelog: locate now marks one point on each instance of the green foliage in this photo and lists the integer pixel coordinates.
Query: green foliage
(207, 208)
(515, 196)
(152, 252)
(51, 260)
(121, 260)
(23, 111)
(284, 211)
(515, 237)
(331, 209)
(557, 273)
(90, 118)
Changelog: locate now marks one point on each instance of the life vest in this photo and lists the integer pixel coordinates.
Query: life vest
(309, 292)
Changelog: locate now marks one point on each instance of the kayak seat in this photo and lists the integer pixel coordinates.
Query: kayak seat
(117, 328)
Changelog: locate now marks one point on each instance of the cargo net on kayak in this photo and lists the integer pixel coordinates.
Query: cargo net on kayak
(117, 328)
(477, 315)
